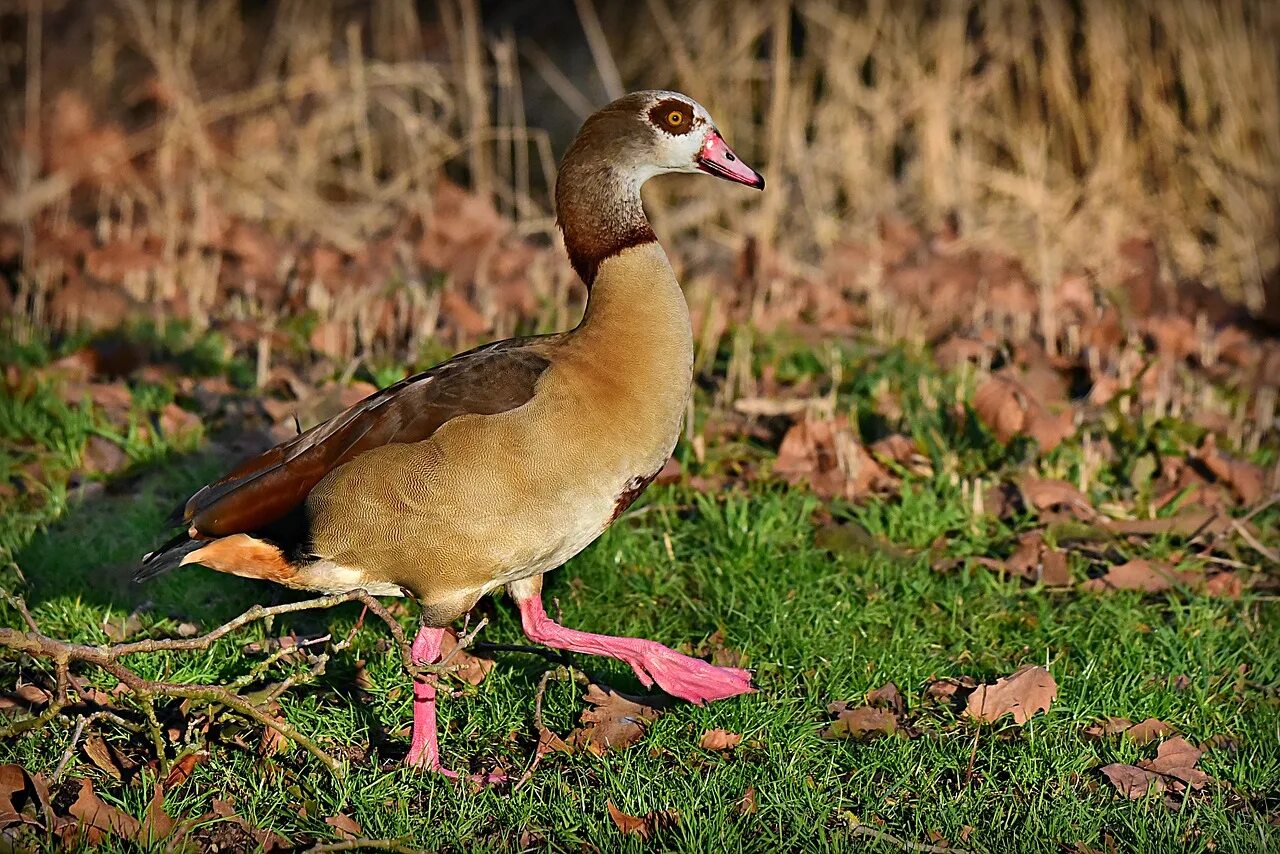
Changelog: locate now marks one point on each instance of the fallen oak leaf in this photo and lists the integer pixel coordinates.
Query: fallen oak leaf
(103, 756)
(1041, 494)
(347, 827)
(719, 739)
(643, 826)
(13, 779)
(1037, 561)
(1023, 693)
(887, 696)
(1140, 733)
(1243, 478)
(181, 770)
(1176, 758)
(860, 722)
(950, 690)
(1008, 408)
(157, 825)
(627, 824)
(614, 723)
(1138, 574)
(25, 696)
(1108, 726)
(99, 817)
(1225, 585)
(549, 742)
(463, 665)
(1133, 782)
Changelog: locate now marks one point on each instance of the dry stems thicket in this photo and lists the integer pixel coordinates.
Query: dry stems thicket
(214, 167)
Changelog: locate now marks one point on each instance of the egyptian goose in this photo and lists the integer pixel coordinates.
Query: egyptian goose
(507, 460)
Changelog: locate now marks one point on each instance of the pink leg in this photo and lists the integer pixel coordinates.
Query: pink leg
(424, 748)
(679, 675)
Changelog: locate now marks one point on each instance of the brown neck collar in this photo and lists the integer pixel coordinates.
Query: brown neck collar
(599, 211)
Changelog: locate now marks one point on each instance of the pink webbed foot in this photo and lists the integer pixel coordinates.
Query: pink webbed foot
(679, 675)
(424, 747)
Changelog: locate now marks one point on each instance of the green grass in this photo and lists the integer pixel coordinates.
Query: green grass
(816, 626)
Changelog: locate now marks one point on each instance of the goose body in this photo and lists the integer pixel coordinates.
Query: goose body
(499, 465)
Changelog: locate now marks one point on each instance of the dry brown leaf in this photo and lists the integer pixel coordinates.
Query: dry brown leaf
(24, 696)
(102, 756)
(119, 629)
(627, 824)
(1108, 726)
(1035, 560)
(719, 739)
(1024, 692)
(669, 473)
(825, 455)
(614, 722)
(1144, 732)
(949, 690)
(1225, 585)
(1177, 758)
(182, 769)
(98, 816)
(347, 827)
(904, 451)
(1173, 769)
(549, 742)
(749, 803)
(887, 696)
(102, 456)
(860, 722)
(1245, 479)
(272, 741)
(156, 823)
(1045, 494)
(465, 667)
(643, 826)
(13, 779)
(1009, 408)
(1133, 782)
(175, 421)
(1138, 574)
(1148, 731)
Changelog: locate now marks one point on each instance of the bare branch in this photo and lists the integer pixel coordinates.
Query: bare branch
(109, 658)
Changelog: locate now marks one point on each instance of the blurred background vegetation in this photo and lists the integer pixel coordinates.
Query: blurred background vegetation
(203, 133)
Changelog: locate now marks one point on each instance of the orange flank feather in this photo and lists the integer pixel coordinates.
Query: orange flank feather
(243, 555)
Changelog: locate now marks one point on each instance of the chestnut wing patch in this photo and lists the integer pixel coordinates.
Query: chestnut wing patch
(264, 489)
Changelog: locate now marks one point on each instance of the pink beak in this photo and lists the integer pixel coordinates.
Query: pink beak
(718, 159)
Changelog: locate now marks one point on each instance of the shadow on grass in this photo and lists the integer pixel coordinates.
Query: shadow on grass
(90, 554)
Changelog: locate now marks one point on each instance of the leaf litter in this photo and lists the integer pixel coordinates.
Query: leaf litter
(1172, 770)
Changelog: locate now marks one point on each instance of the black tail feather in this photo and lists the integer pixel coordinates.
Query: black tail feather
(167, 557)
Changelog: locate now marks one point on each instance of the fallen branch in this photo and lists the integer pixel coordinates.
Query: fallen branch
(110, 657)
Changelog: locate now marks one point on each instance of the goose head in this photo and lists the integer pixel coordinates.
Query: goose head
(655, 132)
(618, 149)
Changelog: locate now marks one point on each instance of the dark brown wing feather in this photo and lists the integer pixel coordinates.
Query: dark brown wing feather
(264, 489)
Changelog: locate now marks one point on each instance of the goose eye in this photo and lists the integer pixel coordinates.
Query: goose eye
(675, 118)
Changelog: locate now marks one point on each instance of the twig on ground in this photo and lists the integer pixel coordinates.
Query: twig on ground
(109, 659)
(71, 749)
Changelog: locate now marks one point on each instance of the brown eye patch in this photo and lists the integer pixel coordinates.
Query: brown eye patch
(672, 115)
